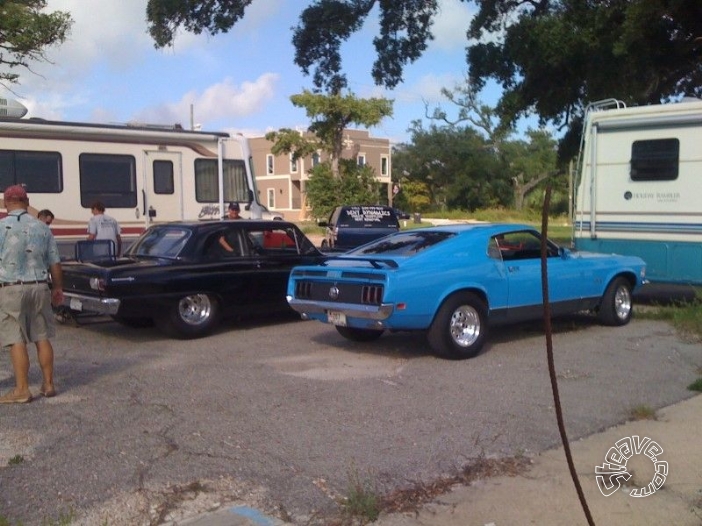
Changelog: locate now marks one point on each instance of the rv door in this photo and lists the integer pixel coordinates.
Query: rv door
(163, 187)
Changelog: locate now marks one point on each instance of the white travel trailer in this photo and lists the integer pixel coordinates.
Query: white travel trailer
(639, 187)
(142, 174)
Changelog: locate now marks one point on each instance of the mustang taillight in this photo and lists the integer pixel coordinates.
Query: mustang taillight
(97, 284)
(303, 289)
(372, 294)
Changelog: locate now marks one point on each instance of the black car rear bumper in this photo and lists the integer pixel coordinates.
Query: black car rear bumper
(82, 303)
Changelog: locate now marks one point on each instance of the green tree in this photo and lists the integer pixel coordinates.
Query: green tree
(356, 184)
(460, 168)
(330, 116)
(26, 33)
(554, 57)
(530, 163)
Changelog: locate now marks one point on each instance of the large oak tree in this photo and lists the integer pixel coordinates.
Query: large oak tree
(551, 57)
(554, 57)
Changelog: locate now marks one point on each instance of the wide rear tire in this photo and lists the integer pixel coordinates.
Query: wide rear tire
(192, 316)
(459, 329)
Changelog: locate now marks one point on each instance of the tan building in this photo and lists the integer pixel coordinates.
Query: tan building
(281, 182)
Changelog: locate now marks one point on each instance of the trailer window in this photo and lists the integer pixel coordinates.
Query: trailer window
(39, 172)
(655, 160)
(236, 187)
(163, 177)
(108, 178)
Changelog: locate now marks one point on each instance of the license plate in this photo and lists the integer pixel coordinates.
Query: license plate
(336, 318)
(76, 304)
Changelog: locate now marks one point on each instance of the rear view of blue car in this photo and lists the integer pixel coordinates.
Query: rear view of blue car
(455, 282)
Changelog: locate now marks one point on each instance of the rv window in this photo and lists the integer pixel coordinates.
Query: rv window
(40, 172)
(206, 181)
(655, 160)
(163, 177)
(108, 178)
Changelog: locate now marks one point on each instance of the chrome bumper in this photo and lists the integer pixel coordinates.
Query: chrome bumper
(80, 303)
(351, 310)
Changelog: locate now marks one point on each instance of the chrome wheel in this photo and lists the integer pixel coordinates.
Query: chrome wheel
(622, 303)
(195, 310)
(616, 306)
(465, 326)
(460, 327)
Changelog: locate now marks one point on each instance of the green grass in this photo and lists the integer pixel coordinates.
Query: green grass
(64, 519)
(685, 316)
(642, 412)
(362, 503)
(17, 459)
(696, 385)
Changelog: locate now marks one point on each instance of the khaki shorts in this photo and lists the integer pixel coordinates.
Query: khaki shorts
(25, 314)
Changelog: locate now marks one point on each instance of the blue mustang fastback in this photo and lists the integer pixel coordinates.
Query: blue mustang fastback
(453, 282)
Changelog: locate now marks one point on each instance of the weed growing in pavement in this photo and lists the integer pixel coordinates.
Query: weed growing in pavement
(362, 503)
(696, 385)
(64, 519)
(686, 316)
(17, 459)
(642, 412)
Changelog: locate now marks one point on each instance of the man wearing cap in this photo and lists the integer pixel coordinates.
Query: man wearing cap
(233, 212)
(28, 255)
(228, 243)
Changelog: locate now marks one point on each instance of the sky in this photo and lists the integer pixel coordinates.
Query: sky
(108, 71)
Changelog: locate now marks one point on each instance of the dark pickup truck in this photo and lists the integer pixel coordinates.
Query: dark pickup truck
(352, 226)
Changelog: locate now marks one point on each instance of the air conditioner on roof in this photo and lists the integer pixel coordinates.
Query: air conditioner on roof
(12, 108)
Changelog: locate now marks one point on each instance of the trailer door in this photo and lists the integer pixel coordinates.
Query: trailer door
(163, 187)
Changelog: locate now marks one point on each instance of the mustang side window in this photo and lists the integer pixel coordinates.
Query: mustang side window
(522, 245)
(493, 250)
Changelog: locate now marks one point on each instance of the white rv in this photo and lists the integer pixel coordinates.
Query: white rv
(142, 174)
(639, 186)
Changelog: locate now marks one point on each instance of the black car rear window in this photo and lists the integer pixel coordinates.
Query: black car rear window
(403, 244)
(368, 217)
(160, 242)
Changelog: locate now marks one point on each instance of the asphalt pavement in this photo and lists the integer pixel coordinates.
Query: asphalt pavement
(545, 494)
(262, 421)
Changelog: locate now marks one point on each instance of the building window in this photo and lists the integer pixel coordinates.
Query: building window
(293, 165)
(163, 177)
(39, 172)
(384, 166)
(270, 168)
(655, 160)
(316, 159)
(108, 178)
(361, 160)
(271, 198)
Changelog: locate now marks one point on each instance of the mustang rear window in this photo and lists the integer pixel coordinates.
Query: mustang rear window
(403, 244)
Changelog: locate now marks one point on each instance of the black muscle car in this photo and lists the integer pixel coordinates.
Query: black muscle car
(186, 276)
